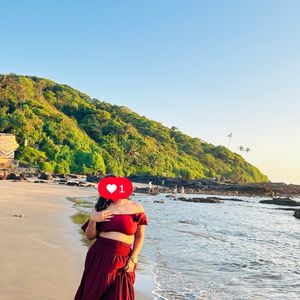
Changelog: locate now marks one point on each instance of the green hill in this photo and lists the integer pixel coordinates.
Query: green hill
(63, 130)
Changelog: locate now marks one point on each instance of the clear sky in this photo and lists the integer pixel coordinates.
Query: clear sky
(206, 67)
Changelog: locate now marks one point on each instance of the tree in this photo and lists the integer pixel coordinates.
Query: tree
(247, 150)
(229, 138)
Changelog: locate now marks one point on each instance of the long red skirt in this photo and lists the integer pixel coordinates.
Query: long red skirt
(103, 277)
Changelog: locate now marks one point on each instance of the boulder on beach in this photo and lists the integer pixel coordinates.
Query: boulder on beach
(281, 201)
(45, 176)
(13, 176)
(297, 214)
(93, 178)
(71, 183)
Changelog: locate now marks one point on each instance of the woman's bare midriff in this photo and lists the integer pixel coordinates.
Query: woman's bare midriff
(114, 235)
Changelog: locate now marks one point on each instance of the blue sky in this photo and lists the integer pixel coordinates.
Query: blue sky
(206, 67)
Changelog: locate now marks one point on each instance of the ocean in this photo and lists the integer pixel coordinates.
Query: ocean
(230, 250)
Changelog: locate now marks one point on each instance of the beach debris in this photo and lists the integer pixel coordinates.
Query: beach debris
(19, 215)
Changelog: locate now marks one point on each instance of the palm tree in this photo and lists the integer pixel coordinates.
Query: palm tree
(229, 136)
(247, 150)
(241, 148)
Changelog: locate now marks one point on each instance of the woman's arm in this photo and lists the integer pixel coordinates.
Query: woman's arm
(138, 242)
(102, 216)
(91, 231)
(137, 247)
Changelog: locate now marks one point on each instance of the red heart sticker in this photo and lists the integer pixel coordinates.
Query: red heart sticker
(115, 188)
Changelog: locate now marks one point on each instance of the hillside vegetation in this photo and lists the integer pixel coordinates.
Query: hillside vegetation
(63, 130)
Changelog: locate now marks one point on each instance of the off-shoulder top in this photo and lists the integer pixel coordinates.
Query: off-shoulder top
(125, 223)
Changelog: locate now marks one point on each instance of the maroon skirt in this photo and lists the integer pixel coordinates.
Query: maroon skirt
(104, 277)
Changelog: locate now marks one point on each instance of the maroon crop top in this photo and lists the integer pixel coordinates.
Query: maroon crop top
(125, 223)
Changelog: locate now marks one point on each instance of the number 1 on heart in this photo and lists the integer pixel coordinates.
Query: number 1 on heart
(121, 188)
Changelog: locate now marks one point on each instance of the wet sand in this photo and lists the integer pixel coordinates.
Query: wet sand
(41, 253)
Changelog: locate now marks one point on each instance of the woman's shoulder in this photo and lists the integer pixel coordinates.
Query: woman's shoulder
(140, 215)
(137, 207)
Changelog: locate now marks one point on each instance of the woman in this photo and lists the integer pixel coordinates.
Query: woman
(110, 264)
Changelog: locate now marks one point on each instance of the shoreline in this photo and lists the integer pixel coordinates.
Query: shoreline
(162, 184)
(34, 260)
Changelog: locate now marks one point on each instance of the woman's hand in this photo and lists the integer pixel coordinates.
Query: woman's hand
(129, 266)
(101, 216)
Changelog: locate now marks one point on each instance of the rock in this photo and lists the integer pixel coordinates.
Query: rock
(281, 201)
(72, 183)
(145, 190)
(13, 176)
(285, 208)
(29, 175)
(93, 178)
(45, 176)
(201, 200)
(232, 199)
(297, 214)
(86, 184)
(224, 199)
(62, 180)
(59, 175)
(73, 176)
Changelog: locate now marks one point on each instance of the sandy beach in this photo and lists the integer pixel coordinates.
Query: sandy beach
(41, 253)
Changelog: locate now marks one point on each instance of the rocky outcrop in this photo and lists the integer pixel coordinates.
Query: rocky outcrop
(145, 190)
(201, 200)
(212, 186)
(210, 198)
(281, 201)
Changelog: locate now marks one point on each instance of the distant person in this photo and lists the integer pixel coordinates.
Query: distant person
(182, 190)
(150, 187)
(4, 175)
(163, 182)
(174, 194)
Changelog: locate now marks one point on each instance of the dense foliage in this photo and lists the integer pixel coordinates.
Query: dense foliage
(63, 130)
